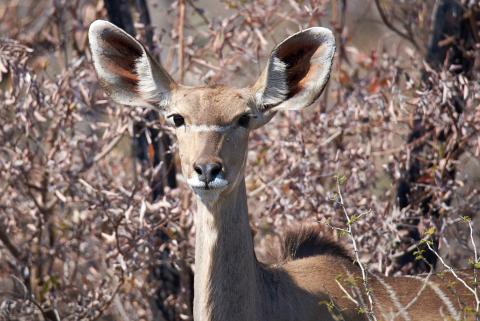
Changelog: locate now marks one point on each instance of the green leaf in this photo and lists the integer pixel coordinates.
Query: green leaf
(430, 231)
(353, 219)
(419, 254)
(341, 179)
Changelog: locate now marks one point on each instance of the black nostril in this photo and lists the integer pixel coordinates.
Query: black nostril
(215, 169)
(212, 170)
(198, 169)
(207, 172)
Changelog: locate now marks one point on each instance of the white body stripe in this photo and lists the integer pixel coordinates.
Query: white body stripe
(394, 298)
(446, 301)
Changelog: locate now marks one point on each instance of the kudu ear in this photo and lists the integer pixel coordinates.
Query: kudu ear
(125, 69)
(297, 71)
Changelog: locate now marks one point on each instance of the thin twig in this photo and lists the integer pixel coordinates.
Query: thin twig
(370, 314)
(111, 145)
(417, 296)
(452, 271)
(392, 27)
(5, 239)
(181, 49)
(199, 11)
(346, 293)
(474, 263)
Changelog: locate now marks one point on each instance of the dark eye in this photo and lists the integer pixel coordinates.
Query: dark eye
(244, 120)
(178, 120)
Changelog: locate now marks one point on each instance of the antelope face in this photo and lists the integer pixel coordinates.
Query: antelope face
(212, 124)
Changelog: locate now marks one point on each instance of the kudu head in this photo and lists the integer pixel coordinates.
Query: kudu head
(212, 124)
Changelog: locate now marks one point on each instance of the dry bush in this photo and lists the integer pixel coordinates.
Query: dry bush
(78, 230)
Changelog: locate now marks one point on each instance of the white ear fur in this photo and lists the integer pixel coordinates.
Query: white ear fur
(297, 71)
(126, 70)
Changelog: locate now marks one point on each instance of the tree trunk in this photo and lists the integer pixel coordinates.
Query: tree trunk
(160, 148)
(152, 154)
(453, 40)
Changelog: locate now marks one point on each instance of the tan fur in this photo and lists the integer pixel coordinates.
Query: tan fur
(230, 284)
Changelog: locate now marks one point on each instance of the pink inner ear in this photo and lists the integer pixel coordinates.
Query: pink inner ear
(126, 74)
(121, 43)
(119, 56)
(297, 57)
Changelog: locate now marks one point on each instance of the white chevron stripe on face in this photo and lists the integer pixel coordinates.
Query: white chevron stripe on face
(208, 128)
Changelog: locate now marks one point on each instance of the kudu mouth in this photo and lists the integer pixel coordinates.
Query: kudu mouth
(208, 174)
(218, 183)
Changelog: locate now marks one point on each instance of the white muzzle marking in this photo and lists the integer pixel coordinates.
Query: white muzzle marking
(217, 183)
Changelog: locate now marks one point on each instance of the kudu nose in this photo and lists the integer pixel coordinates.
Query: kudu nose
(207, 171)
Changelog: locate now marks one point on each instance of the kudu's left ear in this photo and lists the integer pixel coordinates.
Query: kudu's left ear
(125, 69)
(297, 71)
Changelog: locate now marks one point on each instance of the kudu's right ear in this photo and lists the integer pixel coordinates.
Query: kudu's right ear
(125, 69)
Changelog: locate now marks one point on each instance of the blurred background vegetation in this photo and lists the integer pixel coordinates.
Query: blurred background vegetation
(95, 220)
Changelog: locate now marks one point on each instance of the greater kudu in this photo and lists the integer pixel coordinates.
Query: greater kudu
(212, 128)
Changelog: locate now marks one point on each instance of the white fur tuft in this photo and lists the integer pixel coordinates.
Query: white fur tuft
(217, 183)
(277, 89)
(154, 84)
(146, 84)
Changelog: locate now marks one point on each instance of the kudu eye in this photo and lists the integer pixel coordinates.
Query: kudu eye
(178, 120)
(244, 120)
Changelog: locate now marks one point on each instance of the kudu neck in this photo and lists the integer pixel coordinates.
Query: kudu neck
(225, 263)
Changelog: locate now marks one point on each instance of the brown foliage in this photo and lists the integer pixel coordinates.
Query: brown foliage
(78, 232)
